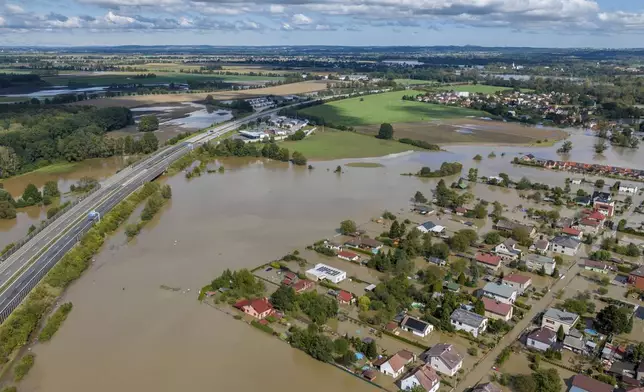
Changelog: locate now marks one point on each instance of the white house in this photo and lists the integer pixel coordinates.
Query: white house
(508, 250)
(348, 256)
(444, 358)
(464, 320)
(333, 245)
(628, 189)
(423, 376)
(323, 271)
(416, 326)
(542, 339)
(554, 318)
(501, 292)
(535, 262)
(565, 245)
(394, 366)
(519, 282)
(431, 227)
(497, 310)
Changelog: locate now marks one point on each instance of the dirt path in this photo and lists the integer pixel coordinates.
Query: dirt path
(483, 368)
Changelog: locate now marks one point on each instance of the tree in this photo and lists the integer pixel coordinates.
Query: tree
(372, 350)
(462, 279)
(166, 192)
(148, 143)
(31, 195)
(340, 346)
(566, 147)
(478, 157)
(420, 198)
(386, 131)
(547, 380)
(395, 230)
(600, 183)
(521, 235)
(600, 147)
(148, 123)
(612, 320)
(363, 303)
(298, 135)
(51, 189)
(473, 174)
(561, 334)
(479, 307)
(298, 158)
(284, 298)
(348, 227)
(492, 238)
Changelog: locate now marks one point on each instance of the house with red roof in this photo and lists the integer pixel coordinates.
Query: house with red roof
(488, 260)
(497, 310)
(345, 298)
(518, 282)
(348, 256)
(572, 232)
(259, 308)
(302, 285)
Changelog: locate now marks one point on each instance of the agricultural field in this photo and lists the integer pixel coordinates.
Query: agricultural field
(338, 144)
(106, 79)
(142, 100)
(471, 131)
(385, 108)
(413, 82)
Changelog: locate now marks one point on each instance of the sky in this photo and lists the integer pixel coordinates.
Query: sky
(536, 23)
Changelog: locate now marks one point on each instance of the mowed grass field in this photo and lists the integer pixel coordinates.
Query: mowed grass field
(106, 79)
(330, 145)
(385, 108)
(413, 82)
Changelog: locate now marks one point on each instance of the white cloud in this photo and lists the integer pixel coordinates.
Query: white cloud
(2, 21)
(286, 27)
(14, 9)
(301, 19)
(276, 9)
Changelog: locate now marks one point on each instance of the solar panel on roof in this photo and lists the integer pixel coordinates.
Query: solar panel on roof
(329, 271)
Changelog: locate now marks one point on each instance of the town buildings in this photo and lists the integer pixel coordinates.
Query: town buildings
(423, 376)
(542, 339)
(500, 292)
(323, 271)
(487, 260)
(497, 310)
(554, 318)
(565, 245)
(518, 282)
(508, 250)
(464, 320)
(444, 358)
(258, 308)
(416, 326)
(536, 263)
(394, 366)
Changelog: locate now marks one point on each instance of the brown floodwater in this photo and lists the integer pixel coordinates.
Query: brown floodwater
(126, 333)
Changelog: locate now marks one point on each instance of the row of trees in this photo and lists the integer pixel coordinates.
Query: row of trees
(238, 148)
(318, 308)
(446, 169)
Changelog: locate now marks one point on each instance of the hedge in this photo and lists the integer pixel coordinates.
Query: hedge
(55, 321)
(403, 339)
(262, 327)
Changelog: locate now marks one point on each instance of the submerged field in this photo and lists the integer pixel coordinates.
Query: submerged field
(142, 100)
(387, 107)
(103, 79)
(337, 145)
(471, 131)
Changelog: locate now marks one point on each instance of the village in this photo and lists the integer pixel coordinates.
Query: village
(582, 168)
(440, 296)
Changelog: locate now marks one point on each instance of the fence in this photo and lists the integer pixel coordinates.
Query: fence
(44, 224)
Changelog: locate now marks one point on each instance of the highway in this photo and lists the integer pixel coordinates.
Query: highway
(20, 273)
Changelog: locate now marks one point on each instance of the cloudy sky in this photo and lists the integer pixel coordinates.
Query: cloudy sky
(545, 23)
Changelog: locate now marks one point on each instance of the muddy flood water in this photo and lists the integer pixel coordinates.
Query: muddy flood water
(127, 333)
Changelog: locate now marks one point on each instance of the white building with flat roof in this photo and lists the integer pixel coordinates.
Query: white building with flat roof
(323, 271)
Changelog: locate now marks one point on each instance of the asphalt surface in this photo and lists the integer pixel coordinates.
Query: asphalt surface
(27, 266)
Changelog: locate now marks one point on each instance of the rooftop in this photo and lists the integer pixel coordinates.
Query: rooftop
(489, 259)
(638, 272)
(541, 244)
(447, 352)
(571, 231)
(543, 335)
(590, 384)
(500, 290)
(468, 318)
(496, 307)
(487, 387)
(347, 254)
(415, 324)
(566, 242)
(595, 264)
(561, 316)
(516, 278)
(539, 259)
(426, 376)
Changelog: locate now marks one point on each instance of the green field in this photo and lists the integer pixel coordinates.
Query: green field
(337, 145)
(165, 77)
(413, 82)
(387, 107)
(13, 99)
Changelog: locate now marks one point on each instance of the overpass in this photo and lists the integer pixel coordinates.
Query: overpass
(22, 271)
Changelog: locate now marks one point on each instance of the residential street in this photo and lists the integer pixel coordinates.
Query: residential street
(485, 365)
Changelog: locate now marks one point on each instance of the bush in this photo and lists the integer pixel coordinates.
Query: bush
(421, 144)
(473, 351)
(23, 367)
(262, 327)
(55, 321)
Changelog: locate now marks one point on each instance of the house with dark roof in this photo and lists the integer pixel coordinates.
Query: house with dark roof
(464, 320)
(508, 250)
(541, 339)
(416, 326)
(431, 227)
(554, 318)
(423, 376)
(584, 383)
(575, 342)
(497, 310)
(596, 266)
(540, 246)
(621, 368)
(444, 358)
(507, 227)
(565, 245)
